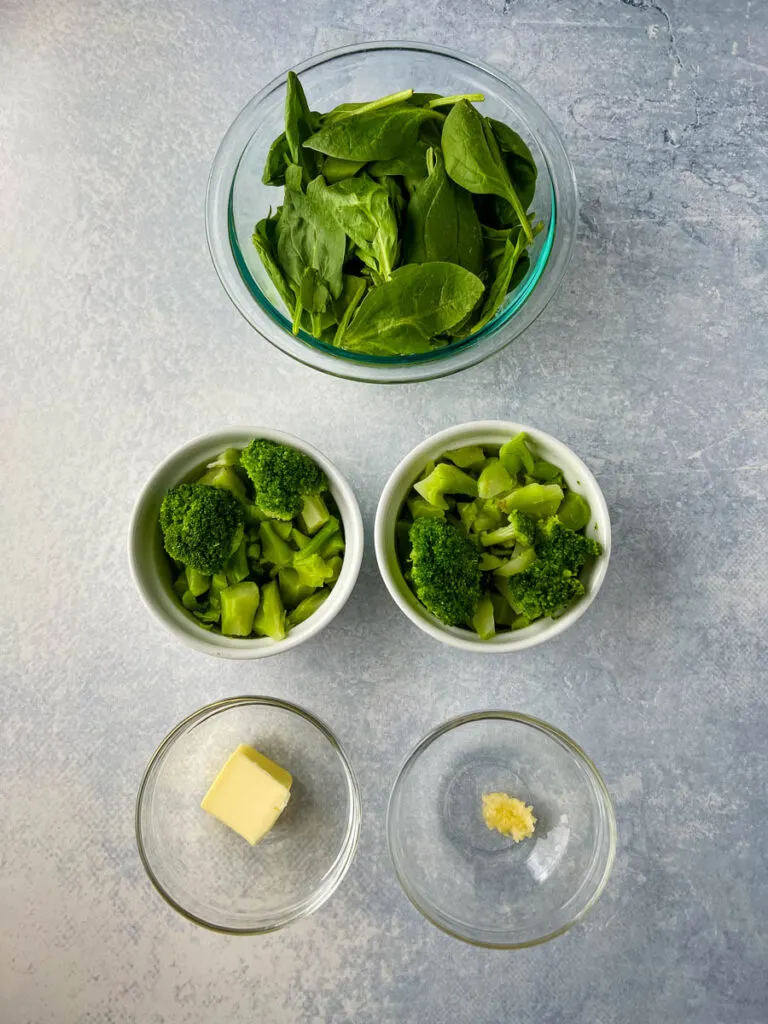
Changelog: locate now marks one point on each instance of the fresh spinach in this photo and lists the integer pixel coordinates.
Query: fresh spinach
(362, 209)
(473, 159)
(373, 135)
(403, 224)
(403, 315)
(440, 223)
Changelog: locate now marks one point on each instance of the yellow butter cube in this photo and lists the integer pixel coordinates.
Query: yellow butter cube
(249, 794)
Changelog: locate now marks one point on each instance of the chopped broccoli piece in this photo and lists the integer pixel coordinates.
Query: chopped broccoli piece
(237, 567)
(445, 479)
(490, 562)
(546, 473)
(445, 570)
(282, 477)
(470, 457)
(538, 500)
(515, 455)
(314, 513)
(335, 564)
(270, 616)
(189, 601)
(274, 548)
(483, 620)
(502, 610)
(525, 527)
(292, 590)
(552, 582)
(197, 582)
(230, 457)
(226, 479)
(313, 571)
(308, 607)
(238, 608)
(522, 559)
(333, 546)
(574, 511)
(201, 526)
(570, 549)
(317, 543)
(494, 480)
(419, 506)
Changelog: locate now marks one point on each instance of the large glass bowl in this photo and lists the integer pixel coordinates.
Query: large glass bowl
(477, 884)
(209, 873)
(237, 199)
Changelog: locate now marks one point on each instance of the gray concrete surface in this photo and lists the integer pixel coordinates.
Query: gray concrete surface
(118, 344)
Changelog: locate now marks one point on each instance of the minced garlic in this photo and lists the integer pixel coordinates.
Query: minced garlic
(508, 815)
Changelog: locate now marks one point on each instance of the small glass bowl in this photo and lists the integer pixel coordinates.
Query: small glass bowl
(477, 884)
(236, 199)
(206, 871)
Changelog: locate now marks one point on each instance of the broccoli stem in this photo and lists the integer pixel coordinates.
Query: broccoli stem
(538, 500)
(515, 455)
(494, 480)
(238, 608)
(197, 582)
(273, 548)
(314, 513)
(517, 564)
(317, 542)
(270, 615)
(237, 567)
(574, 511)
(225, 479)
(307, 607)
(292, 590)
(472, 456)
(483, 621)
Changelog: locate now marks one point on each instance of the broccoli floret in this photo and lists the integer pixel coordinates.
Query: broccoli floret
(525, 527)
(552, 582)
(445, 570)
(282, 477)
(201, 526)
(561, 544)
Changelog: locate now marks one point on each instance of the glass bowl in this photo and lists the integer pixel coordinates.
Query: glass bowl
(474, 883)
(206, 871)
(236, 199)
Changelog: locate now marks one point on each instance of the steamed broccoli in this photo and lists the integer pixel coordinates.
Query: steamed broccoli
(552, 582)
(445, 570)
(445, 479)
(202, 526)
(282, 477)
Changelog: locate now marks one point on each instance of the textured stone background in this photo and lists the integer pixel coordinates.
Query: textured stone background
(118, 344)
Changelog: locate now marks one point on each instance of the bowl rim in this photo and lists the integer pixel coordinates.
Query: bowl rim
(395, 492)
(331, 880)
(499, 714)
(170, 472)
(564, 211)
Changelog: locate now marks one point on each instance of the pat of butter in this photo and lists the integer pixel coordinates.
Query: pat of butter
(249, 793)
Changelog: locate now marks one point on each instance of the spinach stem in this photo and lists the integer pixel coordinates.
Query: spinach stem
(384, 101)
(444, 101)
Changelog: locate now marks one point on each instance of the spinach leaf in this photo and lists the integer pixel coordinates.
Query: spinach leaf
(278, 158)
(375, 135)
(411, 165)
(440, 223)
(362, 208)
(519, 160)
(345, 306)
(265, 244)
(299, 125)
(311, 247)
(335, 169)
(403, 315)
(506, 274)
(473, 158)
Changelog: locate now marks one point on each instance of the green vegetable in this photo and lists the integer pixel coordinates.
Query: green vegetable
(473, 158)
(445, 570)
(226, 479)
(539, 500)
(308, 607)
(362, 208)
(441, 224)
(238, 608)
(282, 477)
(374, 187)
(574, 512)
(380, 134)
(270, 616)
(311, 249)
(418, 302)
(314, 512)
(197, 582)
(201, 526)
(292, 590)
(493, 480)
(503, 559)
(445, 479)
